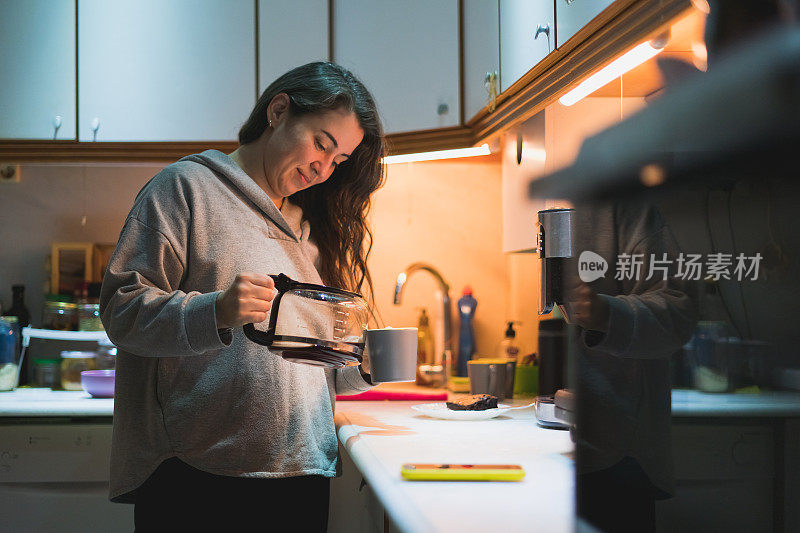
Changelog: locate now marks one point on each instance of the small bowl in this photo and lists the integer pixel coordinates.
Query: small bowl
(98, 383)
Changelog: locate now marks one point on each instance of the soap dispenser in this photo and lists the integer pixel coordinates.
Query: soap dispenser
(466, 335)
(508, 348)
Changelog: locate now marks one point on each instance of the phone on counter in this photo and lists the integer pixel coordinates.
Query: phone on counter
(461, 472)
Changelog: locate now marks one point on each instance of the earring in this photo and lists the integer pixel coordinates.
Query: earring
(270, 123)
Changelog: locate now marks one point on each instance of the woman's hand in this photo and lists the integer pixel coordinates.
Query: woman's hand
(585, 308)
(247, 301)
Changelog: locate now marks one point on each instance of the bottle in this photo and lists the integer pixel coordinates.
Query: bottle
(19, 310)
(466, 334)
(424, 349)
(9, 361)
(508, 348)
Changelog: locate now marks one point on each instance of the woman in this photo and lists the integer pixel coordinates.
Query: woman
(206, 423)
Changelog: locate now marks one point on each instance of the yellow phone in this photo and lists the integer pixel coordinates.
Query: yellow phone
(461, 472)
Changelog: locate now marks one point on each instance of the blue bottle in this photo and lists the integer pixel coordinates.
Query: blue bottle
(466, 334)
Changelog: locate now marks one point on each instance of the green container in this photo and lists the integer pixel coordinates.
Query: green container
(526, 380)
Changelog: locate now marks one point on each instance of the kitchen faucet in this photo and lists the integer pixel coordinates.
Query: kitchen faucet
(446, 315)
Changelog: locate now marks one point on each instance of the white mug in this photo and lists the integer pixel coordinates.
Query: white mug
(392, 354)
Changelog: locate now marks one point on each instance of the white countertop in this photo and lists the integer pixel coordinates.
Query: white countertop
(693, 403)
(46, 402)
(381, 436)
(685, 403)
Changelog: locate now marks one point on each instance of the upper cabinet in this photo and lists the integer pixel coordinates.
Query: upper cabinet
(481, 54)
(527, 35)
(572, 15)
(165, 71)
(37, 61)
(407, 55)
(290, 34)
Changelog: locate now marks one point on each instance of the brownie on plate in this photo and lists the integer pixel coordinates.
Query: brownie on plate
(476, 402)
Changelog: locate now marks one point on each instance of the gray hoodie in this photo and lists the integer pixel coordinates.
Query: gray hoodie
(210, 397)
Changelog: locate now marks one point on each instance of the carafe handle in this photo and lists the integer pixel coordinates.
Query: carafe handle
(264, 338)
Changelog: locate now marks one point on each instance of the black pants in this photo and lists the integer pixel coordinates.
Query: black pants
(178, 497)
(618, 499)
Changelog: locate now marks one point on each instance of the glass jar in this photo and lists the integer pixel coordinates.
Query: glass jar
(89, 317)
(72, 364)
(106, 355)
(46, 372)
(60, 315)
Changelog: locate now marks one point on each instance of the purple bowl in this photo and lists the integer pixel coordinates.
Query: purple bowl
(98, 383)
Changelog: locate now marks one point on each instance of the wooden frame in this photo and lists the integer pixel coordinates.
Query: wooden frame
(55, 261)
(618, 27)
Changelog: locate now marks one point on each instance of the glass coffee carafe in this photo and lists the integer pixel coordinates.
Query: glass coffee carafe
(314, 324)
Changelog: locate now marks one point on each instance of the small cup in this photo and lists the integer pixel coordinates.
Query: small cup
(490, 376)
(392, 354)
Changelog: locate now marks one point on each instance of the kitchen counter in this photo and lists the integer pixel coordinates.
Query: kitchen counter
(37, 402)
(685, 403)
(693, 403)
(381, 436)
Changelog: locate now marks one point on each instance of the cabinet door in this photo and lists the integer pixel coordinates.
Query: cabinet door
(406, 53)
(37, 61)
(481, 52)
(165, 71)
(290, 34)
(572, 15)
(520, 49)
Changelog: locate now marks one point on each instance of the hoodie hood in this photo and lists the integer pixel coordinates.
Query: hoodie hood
(224, 166)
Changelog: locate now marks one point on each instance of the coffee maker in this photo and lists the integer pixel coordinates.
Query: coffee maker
(554, 243)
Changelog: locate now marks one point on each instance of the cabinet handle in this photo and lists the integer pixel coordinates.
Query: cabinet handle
(95, 127)
(56, 126)
(569, 2)
(442, 109)
(543, 28)
(490, 83)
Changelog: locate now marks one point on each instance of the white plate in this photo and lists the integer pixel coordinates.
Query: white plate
(440, 410)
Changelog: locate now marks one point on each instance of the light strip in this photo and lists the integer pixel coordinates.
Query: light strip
(439, 154)
(627, 61)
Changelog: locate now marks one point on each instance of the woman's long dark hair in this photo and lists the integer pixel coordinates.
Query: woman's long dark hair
(337, 208)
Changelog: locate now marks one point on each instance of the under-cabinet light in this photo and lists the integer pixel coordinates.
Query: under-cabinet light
(627, 61)
(439, 154)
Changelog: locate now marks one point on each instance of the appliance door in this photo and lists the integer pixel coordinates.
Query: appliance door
(54, 476)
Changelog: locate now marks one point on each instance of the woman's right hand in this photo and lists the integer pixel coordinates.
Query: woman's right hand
(247, 301)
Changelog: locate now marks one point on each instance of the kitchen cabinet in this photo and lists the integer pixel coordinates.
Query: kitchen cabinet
(37, 60)
(54, 462)
(527, 35)
(407, 55)
(572, 15)
(481, 53)
(165, 71)
(725, 477)
(290, 34)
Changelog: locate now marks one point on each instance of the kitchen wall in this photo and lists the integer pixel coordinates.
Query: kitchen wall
(444, 213)
(447, 214)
